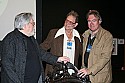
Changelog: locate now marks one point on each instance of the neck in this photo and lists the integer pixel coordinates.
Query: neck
(94, 32)
(22, 31)
(68, 31)
(69, 34)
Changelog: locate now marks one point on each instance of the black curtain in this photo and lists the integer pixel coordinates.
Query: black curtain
(39, 20)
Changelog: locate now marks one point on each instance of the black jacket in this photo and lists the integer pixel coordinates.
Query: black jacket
(14, 57)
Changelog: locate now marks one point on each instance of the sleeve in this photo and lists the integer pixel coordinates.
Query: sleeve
(48, 57)
(46, 44)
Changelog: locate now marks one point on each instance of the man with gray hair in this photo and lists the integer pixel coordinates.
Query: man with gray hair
(21, 56)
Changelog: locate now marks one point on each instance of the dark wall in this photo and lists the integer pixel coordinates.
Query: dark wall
(51, 14)
(39, 20)
(54, 12)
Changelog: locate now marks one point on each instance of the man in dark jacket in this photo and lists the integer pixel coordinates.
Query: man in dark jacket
(21, 54)
(65, 41)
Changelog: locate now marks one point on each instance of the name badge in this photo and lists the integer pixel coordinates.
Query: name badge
(89, 48)
(69, 45)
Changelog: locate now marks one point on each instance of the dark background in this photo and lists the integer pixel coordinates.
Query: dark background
(52, 13)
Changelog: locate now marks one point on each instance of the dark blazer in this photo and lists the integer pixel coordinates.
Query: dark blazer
(14, 57)
(55, 45)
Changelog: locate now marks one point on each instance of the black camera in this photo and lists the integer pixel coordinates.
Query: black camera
(61, 74)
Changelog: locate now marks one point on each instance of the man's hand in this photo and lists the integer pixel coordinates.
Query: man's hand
(82, 72)
(64, 59)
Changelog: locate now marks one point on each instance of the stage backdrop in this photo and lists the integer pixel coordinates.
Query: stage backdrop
(9, 9)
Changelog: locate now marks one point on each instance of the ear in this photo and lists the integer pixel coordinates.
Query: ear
(76, 24)
(100, 21)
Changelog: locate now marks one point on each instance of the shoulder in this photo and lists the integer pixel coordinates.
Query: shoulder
(9, 39)
(54, 30)
(106, 33)
(9, 36)
(86, 33)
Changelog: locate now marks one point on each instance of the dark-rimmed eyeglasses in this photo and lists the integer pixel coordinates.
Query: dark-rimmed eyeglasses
(68, 21)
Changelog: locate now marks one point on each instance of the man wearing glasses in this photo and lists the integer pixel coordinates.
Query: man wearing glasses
(65, 41)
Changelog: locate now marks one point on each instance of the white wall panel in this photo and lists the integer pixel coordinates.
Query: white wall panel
(9, 9)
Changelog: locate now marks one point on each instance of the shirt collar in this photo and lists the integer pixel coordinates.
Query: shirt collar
(61, 31)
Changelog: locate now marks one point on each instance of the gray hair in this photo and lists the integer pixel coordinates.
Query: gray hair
(95, 13)
(22, 19)
(74, 14)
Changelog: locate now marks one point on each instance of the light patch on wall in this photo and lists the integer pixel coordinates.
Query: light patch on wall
(3, 5)
(9, 9)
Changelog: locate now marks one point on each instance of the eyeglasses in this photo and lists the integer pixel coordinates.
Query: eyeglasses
(33, 23)
(70, 22)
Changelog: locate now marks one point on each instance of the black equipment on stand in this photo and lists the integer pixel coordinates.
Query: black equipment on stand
(61, 74)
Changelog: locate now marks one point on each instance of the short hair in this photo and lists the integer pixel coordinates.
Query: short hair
(75, 14)
(95, 13)
(22, 19)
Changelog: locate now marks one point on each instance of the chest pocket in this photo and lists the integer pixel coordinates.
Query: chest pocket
(97, 49)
